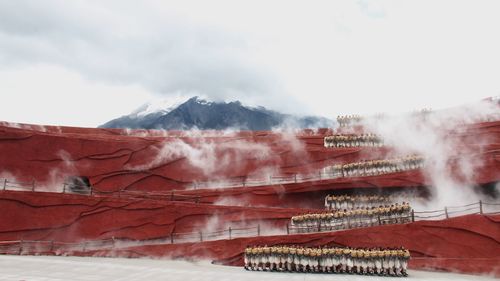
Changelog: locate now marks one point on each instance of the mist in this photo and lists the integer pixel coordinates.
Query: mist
(433, 135)
(210, 158)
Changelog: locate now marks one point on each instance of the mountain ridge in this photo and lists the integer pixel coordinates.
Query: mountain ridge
(202, 114)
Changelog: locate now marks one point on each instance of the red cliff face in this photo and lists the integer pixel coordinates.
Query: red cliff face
(155, 161)
(73, 218)
(172, 163)
(469, 244)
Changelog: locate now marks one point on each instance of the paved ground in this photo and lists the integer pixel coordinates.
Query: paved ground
(40, 268)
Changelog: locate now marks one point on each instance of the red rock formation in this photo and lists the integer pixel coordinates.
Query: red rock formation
(70, 218)
(468, 244)
(120, 160)
(115, 161)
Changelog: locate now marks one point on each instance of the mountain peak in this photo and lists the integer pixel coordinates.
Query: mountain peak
(198, 100)
(159, 106)
(203, 101)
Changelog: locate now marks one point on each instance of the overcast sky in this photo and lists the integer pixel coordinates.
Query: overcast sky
(83, 63)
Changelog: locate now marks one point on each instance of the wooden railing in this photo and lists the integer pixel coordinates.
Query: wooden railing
(13, 185)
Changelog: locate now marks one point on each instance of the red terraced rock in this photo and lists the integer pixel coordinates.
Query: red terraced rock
(114, 160)
(468, 244)
(69, 218)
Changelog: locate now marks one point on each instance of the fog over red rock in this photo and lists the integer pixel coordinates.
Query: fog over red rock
(150, 189)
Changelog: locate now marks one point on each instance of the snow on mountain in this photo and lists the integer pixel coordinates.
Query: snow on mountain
(162, 106)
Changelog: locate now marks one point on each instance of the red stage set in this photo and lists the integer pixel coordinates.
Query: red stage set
(150, 185)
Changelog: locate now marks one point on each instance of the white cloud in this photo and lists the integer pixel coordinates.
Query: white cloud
(323, 57)
(47, 94)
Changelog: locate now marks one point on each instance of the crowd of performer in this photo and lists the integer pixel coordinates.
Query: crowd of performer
(341, 202)
(351, 140)
(348, 120)
(375, 167)
(352, 218)
(423, 111)
(372, 261)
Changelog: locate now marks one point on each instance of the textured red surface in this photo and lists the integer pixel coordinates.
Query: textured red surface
(71, 218)
(469, 244)
(306, 194)
(114, 160)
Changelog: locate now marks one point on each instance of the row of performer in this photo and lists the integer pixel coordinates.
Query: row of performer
(376, 167)
(352, 218)
(351, 120)
(348, 120)
(340, 202)
(342, 140)
(374, 261)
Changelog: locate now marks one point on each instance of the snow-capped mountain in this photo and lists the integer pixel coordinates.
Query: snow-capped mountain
(163, 106)
(203, 114)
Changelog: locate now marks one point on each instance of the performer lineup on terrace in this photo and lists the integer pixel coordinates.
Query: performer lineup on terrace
(352, 218)
(376, 167)
(373, 261)
(339, 202)
(348, 120)
(342, 140)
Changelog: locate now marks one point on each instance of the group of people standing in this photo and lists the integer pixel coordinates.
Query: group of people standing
(352, 218)
(348, 120)
(376, 167)
(367, 261)
(345, 212)
(339, 202)
(352, 140)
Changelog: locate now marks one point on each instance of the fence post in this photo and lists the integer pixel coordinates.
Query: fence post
(319, 226)
(4, 184)
(20, 247)
(64, 188)
(84, 246)
(113, 241)
(287, 228)
(201, 236)
(446, 212)
(481, 207)
(52, 246)
(319, 175)
(295, 176)
(258, 229)
(229, 233)
(172, 238)
(379, 220)
(412, 215)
